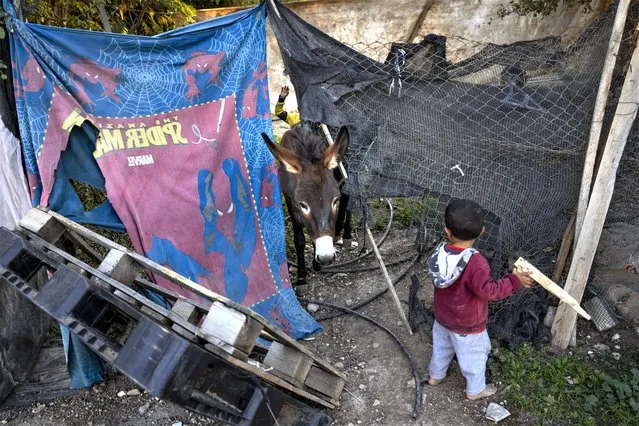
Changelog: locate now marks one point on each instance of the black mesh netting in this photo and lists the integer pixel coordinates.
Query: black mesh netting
(506, 126)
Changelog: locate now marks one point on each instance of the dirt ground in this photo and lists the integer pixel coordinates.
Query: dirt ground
(380, 386)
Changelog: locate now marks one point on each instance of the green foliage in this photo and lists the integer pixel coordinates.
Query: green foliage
(566, 388)
(407, 212)
(208, 4)
(143, 17)
(540, 7)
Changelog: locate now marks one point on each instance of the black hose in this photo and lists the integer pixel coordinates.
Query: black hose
(368, 268)
(373, 297)
(418, 386)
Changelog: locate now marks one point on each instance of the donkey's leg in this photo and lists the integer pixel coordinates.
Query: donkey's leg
(299, 240)
(340, 224)
(348, 226)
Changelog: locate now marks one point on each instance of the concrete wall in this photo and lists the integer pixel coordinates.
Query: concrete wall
(374, 23)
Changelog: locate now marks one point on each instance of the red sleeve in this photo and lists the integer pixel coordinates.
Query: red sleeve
(482, 284)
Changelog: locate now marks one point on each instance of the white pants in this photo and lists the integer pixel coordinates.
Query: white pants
(472, 353)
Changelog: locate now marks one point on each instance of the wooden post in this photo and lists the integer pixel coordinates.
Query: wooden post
(598, 114)
(420, 20)
(387, 277)
(595, 216)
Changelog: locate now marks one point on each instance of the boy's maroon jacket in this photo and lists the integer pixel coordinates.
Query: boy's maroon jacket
(462, 307)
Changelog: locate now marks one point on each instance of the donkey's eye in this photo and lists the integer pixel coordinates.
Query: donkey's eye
(335, 202)
(305, 208)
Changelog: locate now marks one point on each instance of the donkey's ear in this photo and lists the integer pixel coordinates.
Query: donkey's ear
(285, 156)
(336, 152)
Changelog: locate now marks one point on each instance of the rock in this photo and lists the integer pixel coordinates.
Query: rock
(376, 402)
(38, 409)
(616, 356)
(376, 345)
(616, 336)
(134, 392)
(121, 394)
(178, 423)
(144, 409)
(312, 307)
(362, 387)
(617, 347)
(349, 302)
(339, 365)
(600, 347)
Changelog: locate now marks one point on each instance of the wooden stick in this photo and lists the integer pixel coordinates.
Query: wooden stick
(550, 285)
(599, 111)
(387, 277)
(420, 20)
(564, 250)
(598, 208)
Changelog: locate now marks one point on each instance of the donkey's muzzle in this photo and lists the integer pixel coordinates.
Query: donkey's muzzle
(324, 250)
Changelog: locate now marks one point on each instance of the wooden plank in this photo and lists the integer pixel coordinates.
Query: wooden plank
(549, 285)
(261, 370)
(155, 315)
(324, 382)
(186, 310)
(230, 326)
(599, 112)
(120, 266)
(44, 225)
(603, 188)
(195, 288)
(84, 246)
(248, 365)
(231, 350)
(288, 361)
(420, 20)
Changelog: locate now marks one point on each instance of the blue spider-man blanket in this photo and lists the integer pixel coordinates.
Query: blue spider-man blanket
(170, 127)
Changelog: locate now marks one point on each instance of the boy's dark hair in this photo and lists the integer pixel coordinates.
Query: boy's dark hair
(464, 219)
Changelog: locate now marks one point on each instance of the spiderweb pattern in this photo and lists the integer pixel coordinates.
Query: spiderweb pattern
(149, 83)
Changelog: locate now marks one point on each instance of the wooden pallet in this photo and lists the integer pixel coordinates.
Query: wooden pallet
(228, 329)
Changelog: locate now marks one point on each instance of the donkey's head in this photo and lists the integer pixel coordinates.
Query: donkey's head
(306, 166)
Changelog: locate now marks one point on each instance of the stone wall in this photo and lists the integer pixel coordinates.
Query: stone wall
(376, 22)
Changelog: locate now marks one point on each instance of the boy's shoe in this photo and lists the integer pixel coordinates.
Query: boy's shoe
(489, 391)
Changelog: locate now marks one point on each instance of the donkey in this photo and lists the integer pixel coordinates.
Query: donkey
(311, 190)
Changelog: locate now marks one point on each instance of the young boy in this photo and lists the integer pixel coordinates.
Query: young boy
(463, 288)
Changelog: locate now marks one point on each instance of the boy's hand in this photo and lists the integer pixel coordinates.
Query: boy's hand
(284, 92)
(524, 277)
